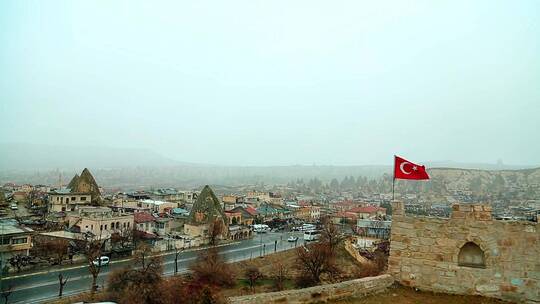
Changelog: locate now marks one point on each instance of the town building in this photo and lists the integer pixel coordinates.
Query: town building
(81, 191)
(14, 239)
(145, 224)
(315, 213)
(247, 216)
(367, 212)
(157, 206)
(231, 201)
(373, 228)
(99, 220)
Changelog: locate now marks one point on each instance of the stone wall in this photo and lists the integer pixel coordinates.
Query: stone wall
(344, 290)
(425, 253)
(354, 252)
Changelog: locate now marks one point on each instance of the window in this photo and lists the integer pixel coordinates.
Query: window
(6, 241)
(73, 198)
(470, 255)
(105, 226)
(128, 224)
(57, 198)
(124, 224)
(83, 198)
(67, 200)
(100, 227)
(15, 241)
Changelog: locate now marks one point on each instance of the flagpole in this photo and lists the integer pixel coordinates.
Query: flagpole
(393, 182)
(393, 177)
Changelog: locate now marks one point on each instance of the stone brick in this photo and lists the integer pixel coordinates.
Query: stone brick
(458, 214)
(430, 261)
(487, 288)
(465, 208)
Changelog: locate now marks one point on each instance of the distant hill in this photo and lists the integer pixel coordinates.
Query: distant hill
(48, 157)
(480, 166)
(133, 168)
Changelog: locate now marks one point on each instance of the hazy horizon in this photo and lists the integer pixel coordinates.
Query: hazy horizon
(256, 83)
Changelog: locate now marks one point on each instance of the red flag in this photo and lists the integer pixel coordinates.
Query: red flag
(404, 169)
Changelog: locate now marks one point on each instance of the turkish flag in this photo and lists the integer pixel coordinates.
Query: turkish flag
(404, 169)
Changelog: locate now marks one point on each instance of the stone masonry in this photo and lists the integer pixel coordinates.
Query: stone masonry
(320, 294)
(427, 253)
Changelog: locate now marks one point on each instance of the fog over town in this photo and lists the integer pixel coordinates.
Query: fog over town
(254, 152)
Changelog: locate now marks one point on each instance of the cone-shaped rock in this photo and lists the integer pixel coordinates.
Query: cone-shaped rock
(207, 208)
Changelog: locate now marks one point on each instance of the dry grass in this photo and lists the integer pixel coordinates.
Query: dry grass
(406, 295)
(267, 266)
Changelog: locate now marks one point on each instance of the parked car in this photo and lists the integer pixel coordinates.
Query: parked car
(14, 206)
(292, 238)
(101, 261)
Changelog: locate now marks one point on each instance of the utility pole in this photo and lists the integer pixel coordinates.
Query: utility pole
(260, 243)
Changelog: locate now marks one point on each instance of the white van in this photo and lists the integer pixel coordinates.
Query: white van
(101, 261)
(261, 228)
(311, 235)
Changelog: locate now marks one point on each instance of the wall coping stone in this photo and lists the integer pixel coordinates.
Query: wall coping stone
(342, 290)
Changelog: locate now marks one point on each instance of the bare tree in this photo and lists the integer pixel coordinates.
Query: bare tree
(123, 238)
(177, 252)
(59, 249)
(6, 292)
(141, 281)
(211, 268)
(92, 251)
(313, 260)
(62, 282)
(54, 250)
(143, 255)
(253, 274)
(330, 234)
(215, 232)
(280, 275)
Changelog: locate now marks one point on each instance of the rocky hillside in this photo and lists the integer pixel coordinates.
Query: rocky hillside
(483, 180)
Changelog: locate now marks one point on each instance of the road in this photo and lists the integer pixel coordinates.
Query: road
(42, 286)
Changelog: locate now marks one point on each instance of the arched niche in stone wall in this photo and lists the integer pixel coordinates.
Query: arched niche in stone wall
(471, 255)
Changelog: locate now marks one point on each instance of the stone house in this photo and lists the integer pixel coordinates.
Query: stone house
(99, 220)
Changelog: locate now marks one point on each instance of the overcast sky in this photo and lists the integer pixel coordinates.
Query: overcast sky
(276, 82)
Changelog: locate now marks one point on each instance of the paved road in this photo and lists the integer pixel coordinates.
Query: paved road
(42, 286)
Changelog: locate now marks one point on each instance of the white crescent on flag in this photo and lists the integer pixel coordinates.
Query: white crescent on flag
(401, 167)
